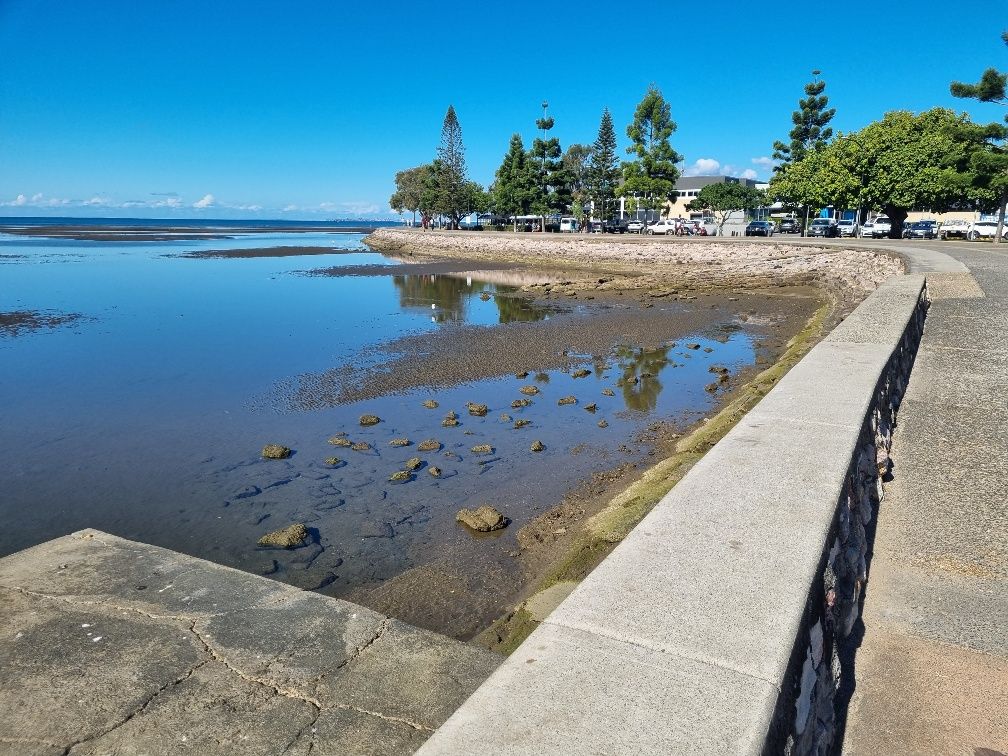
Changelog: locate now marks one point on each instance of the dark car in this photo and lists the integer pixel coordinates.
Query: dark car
(759, 228)
(825, 227)
(926, 229)
(789, 226)
(615, 226)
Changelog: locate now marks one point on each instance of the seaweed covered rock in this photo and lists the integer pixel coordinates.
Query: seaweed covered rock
(332, 461)
(483, 520)
(693, 345)
(399, 476)
(413, 463)
(608, 392)
(478, 410)
(522, 375)
(341, 440)
(566, 400)
(529, 390)
(591, 407)
(519, 403)
(450, 420)
(435, 472)
(430, 404)
(521, 423)
(581, 373)
(537, 446)
(286, 538)
(361, 446)
(369, 419)
(603, 424)
(429, 444)
(399, 442)
(276, 451)
(485, 296)
(482, 449)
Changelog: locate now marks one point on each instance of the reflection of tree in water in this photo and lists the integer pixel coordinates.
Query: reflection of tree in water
(643, 364)
(451, 295)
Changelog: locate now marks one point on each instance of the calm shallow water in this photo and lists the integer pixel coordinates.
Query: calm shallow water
(145, 420)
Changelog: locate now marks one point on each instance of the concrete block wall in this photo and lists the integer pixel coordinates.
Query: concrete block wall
(722, 623)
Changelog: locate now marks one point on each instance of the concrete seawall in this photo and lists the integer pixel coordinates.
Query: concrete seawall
(721, 623)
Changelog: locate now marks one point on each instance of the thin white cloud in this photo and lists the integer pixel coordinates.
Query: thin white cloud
(19, 201)
(766, 163)
(96, 201)
(290, 209)
(207, 201)
(703, 167)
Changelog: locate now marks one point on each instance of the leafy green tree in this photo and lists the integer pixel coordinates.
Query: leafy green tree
(553, 177)
(651, 177)
(810, 131)
(418, 191)
(905, 161)
(576, 161)
(452, 174)
(514, 188)
(990, 164)
(724, 198)
(603, 170)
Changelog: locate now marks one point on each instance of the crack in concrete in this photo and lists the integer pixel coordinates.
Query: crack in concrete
(139, 710)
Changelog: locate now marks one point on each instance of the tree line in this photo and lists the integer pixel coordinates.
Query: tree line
(936, 160)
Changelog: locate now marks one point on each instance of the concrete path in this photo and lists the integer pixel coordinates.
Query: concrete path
(115, 647)
(932, 669)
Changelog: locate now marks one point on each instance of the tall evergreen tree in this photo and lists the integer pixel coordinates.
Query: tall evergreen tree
(990, 165)
(452, 176)
(603, 169)
(651, 177)
(553, 177)
(810, 131)
(514, 188)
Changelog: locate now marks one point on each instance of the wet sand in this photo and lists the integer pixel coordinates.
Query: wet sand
(413, 268)
(19, 322)
(239, 254)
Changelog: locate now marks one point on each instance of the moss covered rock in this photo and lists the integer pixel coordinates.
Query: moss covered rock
(581, 373)
(414, 463)
(529, 390)
(399, 442)
(399, 476)
(482, 449)
(608, 392)
(603, 424)
(430, 404)
(434, 471)
(341, 440)
(361, 446)
(566, 400)
(286, 538)
(332, 461)
(521, 423)
(478, 410)
(369, 419)
(519, 403)
(483, 520)
(276, 451)
(429, 444)
(537, 446)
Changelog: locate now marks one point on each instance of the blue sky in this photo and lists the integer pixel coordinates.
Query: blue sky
(307, 109)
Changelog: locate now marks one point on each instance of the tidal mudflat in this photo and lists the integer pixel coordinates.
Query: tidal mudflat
(148, 417)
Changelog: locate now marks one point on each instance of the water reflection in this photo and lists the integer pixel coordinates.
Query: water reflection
(639, 375)
(450, 298)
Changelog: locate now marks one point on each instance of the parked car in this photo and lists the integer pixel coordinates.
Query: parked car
(881, 227)
(789, 226)
(569, 225)
(923, 229)
(825, 227)
(664, 226)
(595, 227)
(955, 228)
(635, 227)
(759, 228)
(985, 229)
(866, 230)
(848, 227)
(615, 226)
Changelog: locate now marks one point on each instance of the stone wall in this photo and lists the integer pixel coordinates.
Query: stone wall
(811, 709)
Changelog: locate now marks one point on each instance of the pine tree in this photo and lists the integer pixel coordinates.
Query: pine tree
(810, 131)
(452, 176)
(603, 170)
(990, 166)
(514, 187)
(553, 178)
(651, 178)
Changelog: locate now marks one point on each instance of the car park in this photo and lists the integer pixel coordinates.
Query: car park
(954, 228)
(848, 227)
(789, 226)
(759, 228)
(984, 229)
(665, 227)
(825, 227)
(881, 227)
(635, 227)
(923, 229)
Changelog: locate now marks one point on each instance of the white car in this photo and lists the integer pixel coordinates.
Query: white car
(661, 227)
(848, 227)
(955, 228)
(866, 230)
(985, 229)
(635, 227)
(881, 227)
